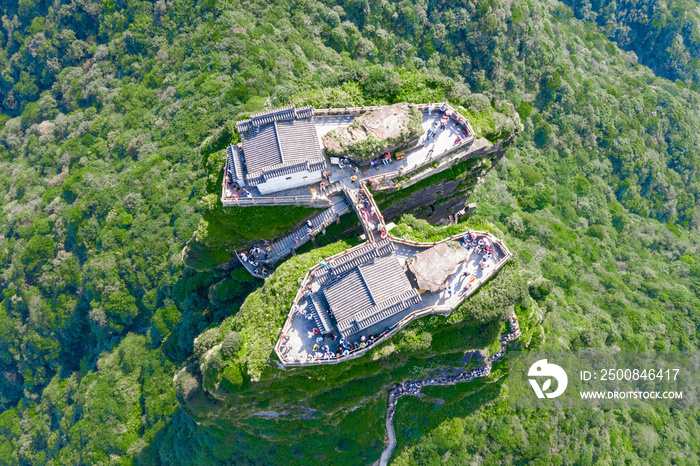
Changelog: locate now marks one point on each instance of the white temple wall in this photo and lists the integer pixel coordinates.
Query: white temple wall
(293, 180)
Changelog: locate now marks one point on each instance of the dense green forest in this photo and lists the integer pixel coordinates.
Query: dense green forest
(114, 114)
(664, 35)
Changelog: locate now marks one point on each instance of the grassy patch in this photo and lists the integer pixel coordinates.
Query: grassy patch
(222, 230)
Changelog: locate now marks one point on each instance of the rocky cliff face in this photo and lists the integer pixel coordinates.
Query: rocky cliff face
(446, 193)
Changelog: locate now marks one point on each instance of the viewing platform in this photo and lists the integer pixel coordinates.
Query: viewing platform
(313, 335)
(361, 297)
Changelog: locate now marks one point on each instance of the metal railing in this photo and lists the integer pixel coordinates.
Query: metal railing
(345, 110)
(421, 107)
(248, 267)
(302, 239)
(319, 201)
(302, 287)
(311, 201)
(374, 204)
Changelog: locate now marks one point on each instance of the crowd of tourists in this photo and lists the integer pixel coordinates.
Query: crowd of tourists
(479, 245)
(231, 188)
(325, 347)
(440, 124)
(384, 160)
(259, 252)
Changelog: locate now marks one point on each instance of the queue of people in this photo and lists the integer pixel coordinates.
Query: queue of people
(514, 334)
(413, 387)
(370, 215)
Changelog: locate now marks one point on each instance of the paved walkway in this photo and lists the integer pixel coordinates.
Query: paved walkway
(367, 212)
(426, 152)
(414, 387)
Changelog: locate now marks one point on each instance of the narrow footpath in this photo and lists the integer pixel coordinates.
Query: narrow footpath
(413, 387)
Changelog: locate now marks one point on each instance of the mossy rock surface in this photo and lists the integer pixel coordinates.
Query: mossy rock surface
(376, 131)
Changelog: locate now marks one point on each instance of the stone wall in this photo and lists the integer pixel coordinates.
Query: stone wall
(441, 199)
(291, 181)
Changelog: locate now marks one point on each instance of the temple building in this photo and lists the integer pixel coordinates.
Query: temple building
(280, 150)
(361, 289)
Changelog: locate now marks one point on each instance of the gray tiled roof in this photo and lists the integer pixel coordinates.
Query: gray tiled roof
(263, 118)
(298, 140)
(279, 114)
(262, 150)
(386, 309)
(373, 289)
(372, 315)
(304, 112)
(348, 296)
(349, 327)
(283, 169)
(336, 268)
(280, 142)
(385, 278)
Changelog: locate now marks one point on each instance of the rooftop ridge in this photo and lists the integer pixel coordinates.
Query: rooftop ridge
(369, 290)
(281, 169)
(270, 116)
(385, 304)
(279, 146)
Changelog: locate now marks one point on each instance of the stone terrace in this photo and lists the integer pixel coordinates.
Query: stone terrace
(430, 150)
(297, 349)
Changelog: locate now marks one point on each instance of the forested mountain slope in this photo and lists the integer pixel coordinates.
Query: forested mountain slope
(105, 106)
(665, 35)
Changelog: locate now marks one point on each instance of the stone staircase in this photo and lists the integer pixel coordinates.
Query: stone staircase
(352, 195)
(251, 269)
(319, 310)
(287, 244)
